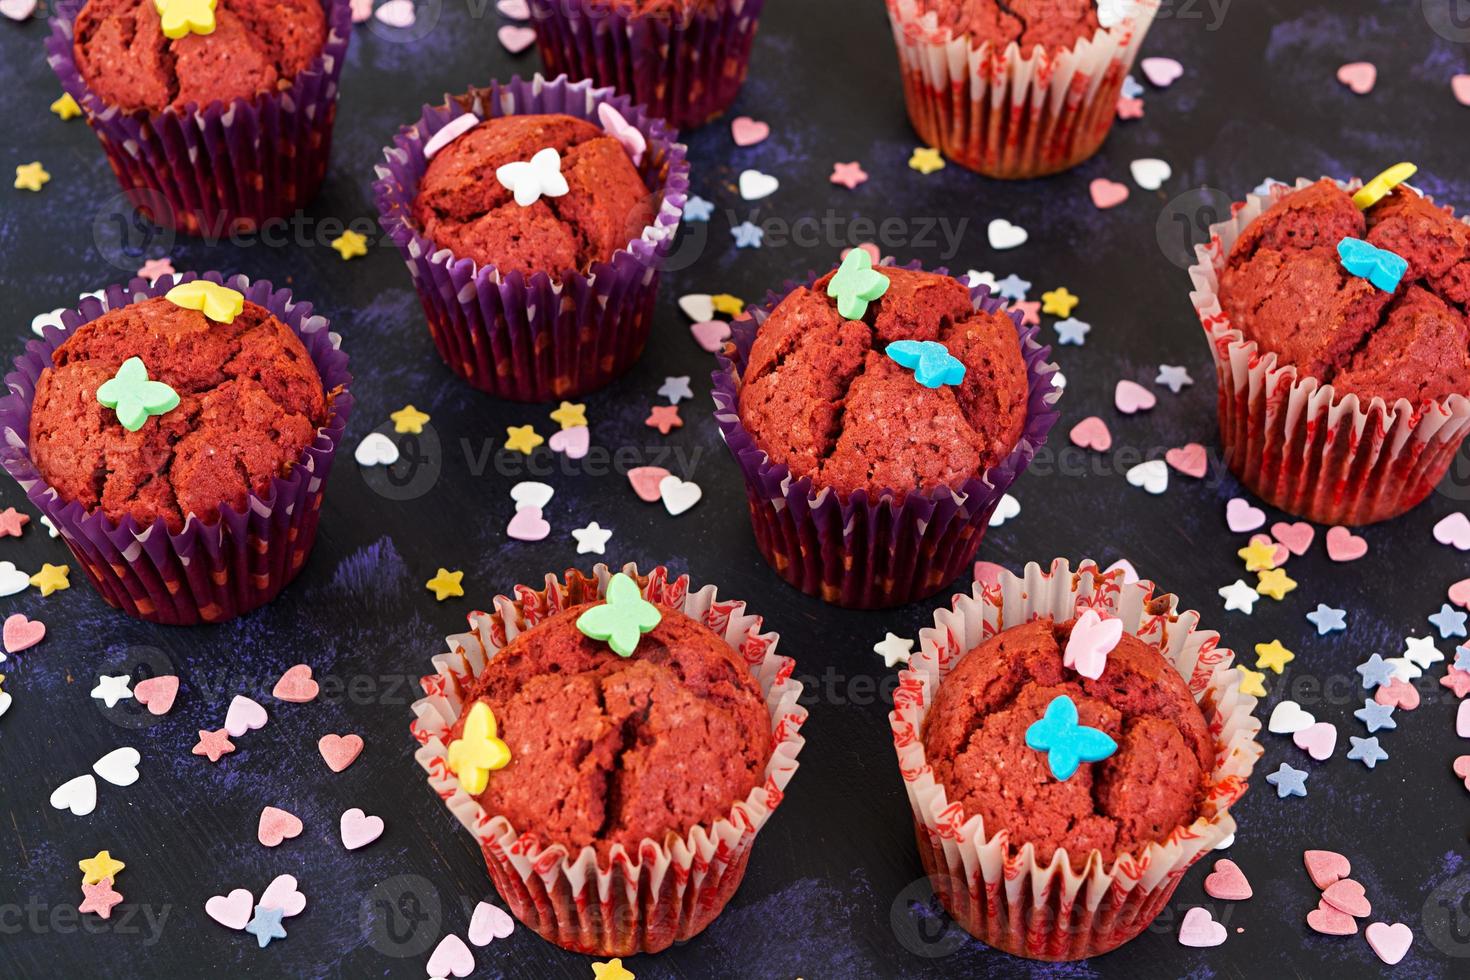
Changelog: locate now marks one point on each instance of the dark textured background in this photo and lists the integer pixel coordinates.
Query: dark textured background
(836, 868)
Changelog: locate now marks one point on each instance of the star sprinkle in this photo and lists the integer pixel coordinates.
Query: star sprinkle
(446, 584)
(102, 867)
(522, 439)
(611, 970)
(1130, 108)
(213, 745)
(350, 244)
(747, 235)
(932, 363)
(664, 418)
(1132, 88)
(570, 415)
(1366, 750)
(1375, 672)
(266, 925)
(1072, 331)
(1405, 669)
(31, 177)
(848, 175)
(1449, 621)
(1173, 377)
(1013, 287)
(12, 521)
(1251, 681)
(479, 751)
(1030, 312)
(894, 650)
(1456, 680)
(1375, 716)
(409, 419)
(1327, 619)
(180, 18)
(1273, 656)
(592, 539)
(727, 304)
(1421, 651)
(99, 898)
(1067, 742)
(52, 578)
(112, 688)
(1288, 781)
(1275, 583)
(530, 180)
(926, 160)
(219, 303)
(155, 269)
(1462, 654)
(855, 284)
(1059, 302)
(1259, 556)
(622, 618)
(676, 389)
(697, 208)
(66, 107)
(1239, 597)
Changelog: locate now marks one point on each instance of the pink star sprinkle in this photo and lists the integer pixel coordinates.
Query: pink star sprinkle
(11, 521)
(849, 175)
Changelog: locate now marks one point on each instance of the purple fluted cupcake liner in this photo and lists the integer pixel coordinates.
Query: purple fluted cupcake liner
(208, 572)
(869, 552)
(685, 67)
(222, 168)
(535, 338)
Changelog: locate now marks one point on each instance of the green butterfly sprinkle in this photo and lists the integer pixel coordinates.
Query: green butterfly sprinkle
(855, 285)
(622, 619)
(134, 397)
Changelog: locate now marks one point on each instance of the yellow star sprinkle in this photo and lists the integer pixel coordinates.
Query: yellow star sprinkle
(611, 970)
(1259, 556)
(1275, 583)
(1250, 681)
(183, 17)
(31, 177)
(104, 865)
(51, 578)
(727, 304)
(445, 584)
(350, 244)
(1381, 186)
(521, 439)
(926, 160)
(1273, 656)
(570, 415)
(219, 303)
(409, 419)
(477, 752)
(1059, 302)
(66, 107)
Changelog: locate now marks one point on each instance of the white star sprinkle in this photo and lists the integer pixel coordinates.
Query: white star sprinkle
(894, 650)
(591, 539)
(675, 389)
(112, 689)
(1240, 597)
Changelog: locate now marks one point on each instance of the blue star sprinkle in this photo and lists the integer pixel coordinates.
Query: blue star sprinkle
(1462, 658)
(1288, 781)
(1375, 672)
(1327, 619)
(747, 235)
(1449, 621)
(932, 363)
(1013, 287)
(1173, 377)
(1067, 743)
(1366, 750)
(1072, 331)
(1375, 716)
(266, 925)
(1131, 88)
(1379, 266)
(697, 208)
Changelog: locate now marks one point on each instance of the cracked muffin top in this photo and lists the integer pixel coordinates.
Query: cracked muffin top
(464, 206)
(606, 750)
(975, 740)
(257, 46)
(250, 402)
(821, 396)
(1284, 286)
(1051, 24)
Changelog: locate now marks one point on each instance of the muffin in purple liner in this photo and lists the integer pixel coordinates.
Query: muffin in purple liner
(532, 331)
(211, 134)
(684, 60)
(876, 439)
(226, 421)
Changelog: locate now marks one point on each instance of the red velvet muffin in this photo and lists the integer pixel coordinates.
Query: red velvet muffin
(606, 750)
(250, 402)
(1284, 286)
(465, 206)
(257, 46)
(1052, 24)
(975, 739)
(821, 396)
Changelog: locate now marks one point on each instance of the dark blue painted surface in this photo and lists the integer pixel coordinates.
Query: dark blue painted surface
(836, 869)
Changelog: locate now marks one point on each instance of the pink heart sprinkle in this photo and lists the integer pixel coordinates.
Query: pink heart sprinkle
(20, 633)
(1092, 433)
(1460, 86)
(244, 716)
(528, 525)
(157, 693)
(1241, 517)
(868, 247)
(296, 686)
(1131, 397)
(451, 956)
(1297, 537)
(1200, 930)
(711, 334)
(1347, 896)
(1462, 769)
(1317, 740)
(1390, 942)
(1344, 545)
(359, 829)
(616, 125)
(232, 911)
(516, 39)
(339, 751)
(1454, 531)
(1163, 72)
(1358, 76)
(514, 9)
(277, 825)
(1398, 694)
(574, 442)
(645, 481)
(989, 574)
(1330, 922)
(283, 894)
(488, 923)
(1189, 459)
(18, 9)
(1325, 867)
(1107, 193)
(362, 11)
(397, 13)
(1462, 720)
(1092, 639)
(1460, 593)
(1227, 882)
(748, 132)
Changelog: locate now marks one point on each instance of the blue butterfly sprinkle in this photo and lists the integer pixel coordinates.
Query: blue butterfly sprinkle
(932, 363)
(1379, 266)
(1068, 743)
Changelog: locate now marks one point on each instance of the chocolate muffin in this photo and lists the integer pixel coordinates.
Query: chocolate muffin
(257, 46)
(1052, 24)
(462, 204)
(975, 739)
(1284, 286)
(606, 750)
(821, 396)
(250, 402)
